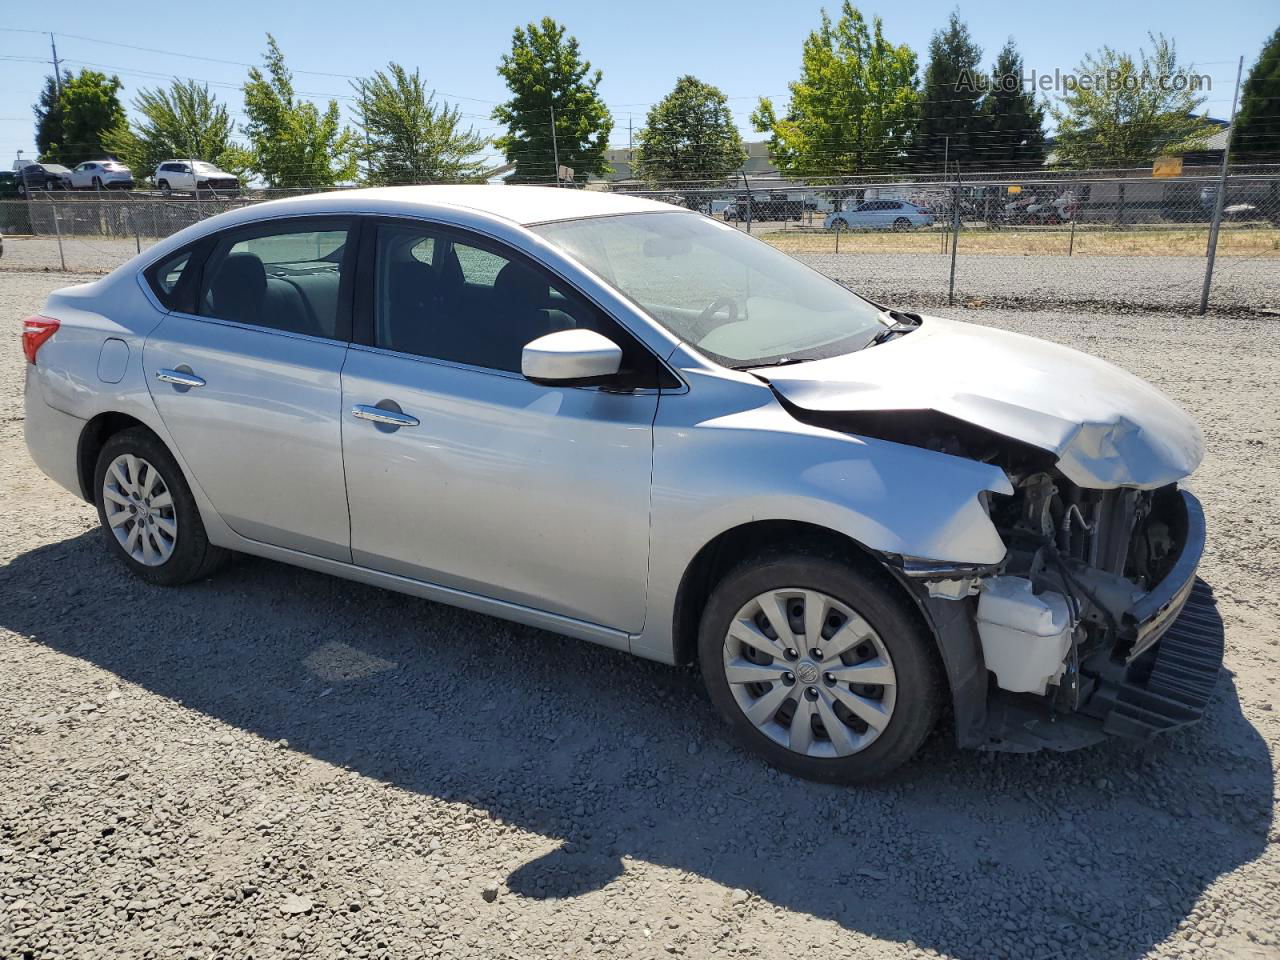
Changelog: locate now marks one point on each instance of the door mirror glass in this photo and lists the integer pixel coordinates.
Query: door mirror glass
(571, 358)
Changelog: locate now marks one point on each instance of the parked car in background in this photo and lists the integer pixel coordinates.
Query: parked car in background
(187, 176)
(101, 175)
(619, 420)
(880, 215)
(8, 184)
(41, 176)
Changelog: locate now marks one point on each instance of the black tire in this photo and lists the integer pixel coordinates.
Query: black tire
(193, 557)
(902, 224)
(919, 685)
(163, 187)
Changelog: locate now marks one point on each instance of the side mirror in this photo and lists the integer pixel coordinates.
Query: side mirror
(571, 358)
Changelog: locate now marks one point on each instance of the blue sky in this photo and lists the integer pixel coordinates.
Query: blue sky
(746, 47)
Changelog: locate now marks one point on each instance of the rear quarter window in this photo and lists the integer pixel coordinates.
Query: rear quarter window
(172, 280)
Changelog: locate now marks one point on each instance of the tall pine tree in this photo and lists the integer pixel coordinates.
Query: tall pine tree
(951, 121)
(1256, 135)
(49, 120)
(1013, 123)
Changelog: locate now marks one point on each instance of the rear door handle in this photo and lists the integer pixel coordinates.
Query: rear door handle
(394, 418)
(180, 378)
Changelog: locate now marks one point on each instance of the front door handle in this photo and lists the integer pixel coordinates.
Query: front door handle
(179, 378)
(393, 418)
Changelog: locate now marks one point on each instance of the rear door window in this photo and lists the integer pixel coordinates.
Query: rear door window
(292, 276)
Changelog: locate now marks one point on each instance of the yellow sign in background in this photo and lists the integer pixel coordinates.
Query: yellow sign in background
(1167, 167)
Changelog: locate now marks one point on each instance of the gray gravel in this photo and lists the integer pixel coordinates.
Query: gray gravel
(275, 763)
(1242, 285)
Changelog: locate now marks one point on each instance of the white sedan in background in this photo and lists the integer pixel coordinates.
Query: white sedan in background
(101, 175)
(880, 215)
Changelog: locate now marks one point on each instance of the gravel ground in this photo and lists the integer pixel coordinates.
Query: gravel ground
(1242, 285)
(274, 763)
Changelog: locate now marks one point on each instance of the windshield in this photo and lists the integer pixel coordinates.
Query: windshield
(202, 167)
(739, 301)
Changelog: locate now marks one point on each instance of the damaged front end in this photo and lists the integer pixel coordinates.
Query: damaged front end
(1093, 624)
(1096, 614)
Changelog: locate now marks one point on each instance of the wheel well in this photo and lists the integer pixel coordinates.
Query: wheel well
(724, 552)
(92, 439)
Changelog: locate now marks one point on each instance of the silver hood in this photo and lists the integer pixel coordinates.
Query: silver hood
(1107, 427)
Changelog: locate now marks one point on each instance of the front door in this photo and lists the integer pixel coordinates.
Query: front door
(249, 386)
(484, 481)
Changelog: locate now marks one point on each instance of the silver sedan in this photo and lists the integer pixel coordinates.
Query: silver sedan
(630, 423)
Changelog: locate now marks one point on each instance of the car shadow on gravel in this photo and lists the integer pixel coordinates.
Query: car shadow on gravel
(1099, 853)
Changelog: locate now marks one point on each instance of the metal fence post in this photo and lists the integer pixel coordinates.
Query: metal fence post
(1071, 244)
(57, 229)
(1219, 201)
(955, 237)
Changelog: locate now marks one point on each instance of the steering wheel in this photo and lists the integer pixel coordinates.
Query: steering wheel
(716, 305)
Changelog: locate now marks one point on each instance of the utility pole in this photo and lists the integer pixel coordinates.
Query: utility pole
(555, 151)
(1221, 199)
(57, 66)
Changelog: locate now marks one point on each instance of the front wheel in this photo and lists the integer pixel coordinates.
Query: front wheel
(818, 667)
(148, 514)
(902, 224)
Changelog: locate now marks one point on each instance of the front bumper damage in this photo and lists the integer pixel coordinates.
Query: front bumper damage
(1157, 673)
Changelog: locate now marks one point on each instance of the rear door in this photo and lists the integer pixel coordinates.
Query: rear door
(246, 376)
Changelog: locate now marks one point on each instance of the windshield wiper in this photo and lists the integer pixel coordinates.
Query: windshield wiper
(902, 323)
(784, 362)
(888, 333)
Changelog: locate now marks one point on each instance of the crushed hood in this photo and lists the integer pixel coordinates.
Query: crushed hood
(1106, 427)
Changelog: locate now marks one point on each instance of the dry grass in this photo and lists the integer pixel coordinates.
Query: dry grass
(1133, 242)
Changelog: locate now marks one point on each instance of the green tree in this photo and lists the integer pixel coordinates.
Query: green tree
(1132, 110)
(183, 120)
(408, 137)
(49, 119)
(854, 107)
(1013, 123)
(690, 135)
(951, 122)
(545, 72)
(90, 109)
(293, 144)
(1256, 134)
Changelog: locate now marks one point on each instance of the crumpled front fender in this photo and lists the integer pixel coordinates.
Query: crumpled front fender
(761, 464)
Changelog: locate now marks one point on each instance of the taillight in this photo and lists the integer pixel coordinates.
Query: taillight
(35, 331)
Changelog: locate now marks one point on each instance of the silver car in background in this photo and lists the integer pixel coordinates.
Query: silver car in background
(629, 423)
(897, 215)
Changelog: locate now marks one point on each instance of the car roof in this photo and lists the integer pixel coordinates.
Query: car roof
(519, 204)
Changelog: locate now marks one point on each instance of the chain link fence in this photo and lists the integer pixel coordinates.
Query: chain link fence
(1109, 240)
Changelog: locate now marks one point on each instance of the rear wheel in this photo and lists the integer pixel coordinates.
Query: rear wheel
(148, 515)
(164, 187)
(818, 667)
